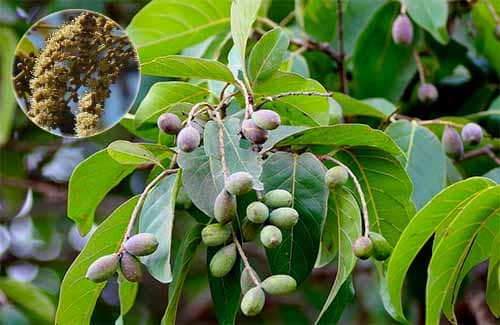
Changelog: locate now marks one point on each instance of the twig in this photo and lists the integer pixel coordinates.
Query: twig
(194, 110)
(492, 11)
(294, 93)
(341, 66)
(440, 122)
(245, 259)
(420, 67)
(249, 99)
(223, 91)
(364, 207)
(52, 191)
(486, 150)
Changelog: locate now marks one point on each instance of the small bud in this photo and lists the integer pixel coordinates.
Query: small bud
(253, 301)
(223, 261)
(278, 199)
(257, 212)
(224, 207)
(452, 143)
(280, 284)
(141, 244)
(270, 236)
(188, 139)
(381, 247)
(252, 132)
(246, 281)
(497, 32)
(103, 268)
(472, 134)
(336, 176)
(284, 218)
(215, 234)
(266, 119)
(131, 267)
(427, 93)
(169, 123)
(249, 230)
(402, 30)
(239, 183)
(363, 247)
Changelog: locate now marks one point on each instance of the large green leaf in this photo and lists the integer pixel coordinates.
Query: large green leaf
(267, 55)
(187, 67)
(91, 180)
(354, 107)
(493, 174)
(78, 295)
(130, 153)
(493, 285)
(295, 110)
(243, 15)
(7, 100)
(345, 229)
(185, 255)
(435, 214)
(432, 15)
(450, 255)
(303, 176)
(157, 218)
(127, 292)
(425, 159)
(163, 97)
(165, 27)
(484, 24)
(30, 298)
(387, 68)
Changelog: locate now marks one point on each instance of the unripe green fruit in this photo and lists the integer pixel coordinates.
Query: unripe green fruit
(223, 261)
(239, 183)
(427, 93)
(141, 244)
(270, 236)
(253, 301)
(103, 268)
(336, 176)
(381, 247)
(257, 212)
(183, 200)
(363, 248)
(472, 134)
(250, 230)
(497, 32)
(280, 284)
(266, 119)
(188, 139)
(246, 281)
(452, 144)
(278, 199)
(284, 218)
(224, 207)
(169, 123)
(215, 234)
(402, 30)
(252, 132)
(131, 267)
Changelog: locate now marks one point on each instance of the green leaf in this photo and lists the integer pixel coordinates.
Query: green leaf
(157, 218)
(382, 105)
(163, 97)
(187, 67)
(267, 55)
(295, 110)
(128, 122)
(493, 284)
(345, 229)
(127, 292)
(78, 295)
(344, 296)
(493, 174)
(243, 15)
(185, 255)
(437, 213)
(30, 298)
(484, 40)
(129, 153)
(425, 159)
(320, 19)
(354, 107)
(387, 68)
(431, 15)
(450, 254)
(90, 181)
(303, 176)
(164, 27)
(7, 99)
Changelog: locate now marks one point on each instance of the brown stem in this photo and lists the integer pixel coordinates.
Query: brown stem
(244, 258)
(341, 65)
(294, 93)
(420, 66)
(487, 150)
(249, 99)
(52, 191)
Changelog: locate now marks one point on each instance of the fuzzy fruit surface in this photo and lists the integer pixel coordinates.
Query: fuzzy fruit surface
(215, 234)
(278, 199)
(427, 93)
(284, 218)
(472, 134)
(266, 119)
(223, 261)
(224, 207)
(169, 123)
(246, 281)
(270, 236)
(103, 268)
(257, 212)
(252, 132)
(402, 30)
(250, 230)
(239, 183)
(381, 247)
(141, 244)
(452, 143)
(188, 139)
(336, 176)
(131, 267)
(363, 247)
(280, 284)
(253, 301)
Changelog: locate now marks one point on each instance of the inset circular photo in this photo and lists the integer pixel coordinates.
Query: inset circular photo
(76, 73)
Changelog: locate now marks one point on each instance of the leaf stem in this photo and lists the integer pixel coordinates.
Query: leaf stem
(194, 111)
(249, 98)
(420, 66)
(486, 150)
(244, 258)
(294, 93)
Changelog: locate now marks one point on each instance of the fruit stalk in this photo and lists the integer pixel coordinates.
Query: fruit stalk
(244, 258)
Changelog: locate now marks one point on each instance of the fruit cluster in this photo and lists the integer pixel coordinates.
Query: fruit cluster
(453, 144)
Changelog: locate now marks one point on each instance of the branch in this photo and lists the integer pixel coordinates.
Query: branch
(249, 99)
(294, 93)
(244, 258)
(52, 191)
(486, 150)
(420, 66)
(340, 27)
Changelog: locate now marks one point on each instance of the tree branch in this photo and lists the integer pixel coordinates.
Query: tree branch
(487, 150)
